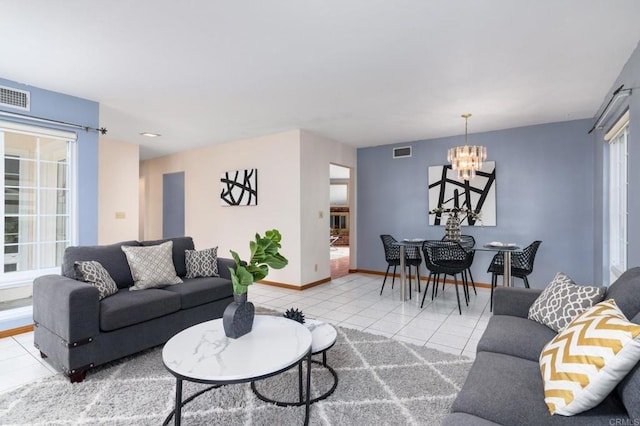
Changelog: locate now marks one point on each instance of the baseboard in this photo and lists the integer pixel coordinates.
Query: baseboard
(422, 279)
(295, 287)
(16, 331)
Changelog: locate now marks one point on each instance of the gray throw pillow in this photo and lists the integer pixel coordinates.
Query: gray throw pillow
(203, 263)
(151, 266)
(563, 300)
(92, 272)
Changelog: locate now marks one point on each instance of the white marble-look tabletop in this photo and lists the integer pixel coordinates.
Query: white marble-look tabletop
(204, 352)
(324, 335)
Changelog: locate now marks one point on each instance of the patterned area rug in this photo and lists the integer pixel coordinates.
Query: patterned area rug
(381, 382)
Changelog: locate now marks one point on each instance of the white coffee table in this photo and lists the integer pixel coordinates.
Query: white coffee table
(204, 354)
(323, 337)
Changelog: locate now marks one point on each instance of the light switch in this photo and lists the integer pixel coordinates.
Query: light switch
(120, 215)
(320, 214)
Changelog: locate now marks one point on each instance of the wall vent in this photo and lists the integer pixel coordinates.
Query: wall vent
(14, 98)
(402, 152)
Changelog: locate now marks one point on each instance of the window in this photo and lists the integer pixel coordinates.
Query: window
(617, 138)
(38, 210)
(339, 221)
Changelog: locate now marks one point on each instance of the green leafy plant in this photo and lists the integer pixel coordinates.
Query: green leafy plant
(264, 255)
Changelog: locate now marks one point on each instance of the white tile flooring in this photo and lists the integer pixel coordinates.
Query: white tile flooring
(352, 301)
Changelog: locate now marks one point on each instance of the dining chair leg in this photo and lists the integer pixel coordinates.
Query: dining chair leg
(393, 277)
(526, 282)
(425, 291)
(473, 283)
(465, 286)
(455, 278)
(409, 266)
(385, 279)
(418, 275)
(434, 289)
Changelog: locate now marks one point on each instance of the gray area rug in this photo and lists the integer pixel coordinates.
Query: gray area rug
(381, 382)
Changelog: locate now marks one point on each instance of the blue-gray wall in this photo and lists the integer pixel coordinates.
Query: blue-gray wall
(630, 77)
(57, 106)
(544, 191)
(173, 205)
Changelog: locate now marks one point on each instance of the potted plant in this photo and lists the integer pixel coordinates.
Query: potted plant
(238, 316)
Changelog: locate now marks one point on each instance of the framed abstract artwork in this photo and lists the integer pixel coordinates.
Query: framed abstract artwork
(239, 188)
(478, 194)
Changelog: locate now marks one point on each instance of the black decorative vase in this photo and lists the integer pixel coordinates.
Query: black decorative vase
(237, 318)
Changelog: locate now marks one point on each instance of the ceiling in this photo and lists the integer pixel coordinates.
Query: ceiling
(361, 72)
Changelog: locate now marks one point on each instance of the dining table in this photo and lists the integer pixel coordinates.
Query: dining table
(505, 248)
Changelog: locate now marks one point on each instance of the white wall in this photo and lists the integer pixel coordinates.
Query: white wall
(316, 155)
(117, 191)
(293, 186)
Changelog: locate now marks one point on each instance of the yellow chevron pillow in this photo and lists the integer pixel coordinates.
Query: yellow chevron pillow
(586, 361)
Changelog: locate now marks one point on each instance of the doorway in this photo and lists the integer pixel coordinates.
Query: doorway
(339, 208)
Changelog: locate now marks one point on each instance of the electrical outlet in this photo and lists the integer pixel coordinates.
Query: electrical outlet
(320, 214)
(120, 215)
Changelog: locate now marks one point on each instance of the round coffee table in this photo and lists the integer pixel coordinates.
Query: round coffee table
(204, 354)
(323, 337)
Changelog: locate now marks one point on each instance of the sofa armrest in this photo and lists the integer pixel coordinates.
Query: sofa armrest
(514, 301)
(223, 267)
(68, 308)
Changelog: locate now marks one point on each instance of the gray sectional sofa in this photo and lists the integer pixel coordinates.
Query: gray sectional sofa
(505, 386)
(77, 331)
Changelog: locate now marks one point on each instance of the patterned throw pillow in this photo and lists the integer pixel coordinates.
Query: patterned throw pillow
(93, 273)
(151, 266)
(563, 300)
(203, 263)
(586, 361)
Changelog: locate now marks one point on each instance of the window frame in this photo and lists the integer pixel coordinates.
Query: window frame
(18, 278)
(618, 138)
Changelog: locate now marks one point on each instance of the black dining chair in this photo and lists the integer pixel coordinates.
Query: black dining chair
(467, 242)
(521, 265)
(446, 258)
(392, 256)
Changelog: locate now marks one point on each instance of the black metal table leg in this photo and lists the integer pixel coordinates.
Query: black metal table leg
(308, 404)
(178, 410)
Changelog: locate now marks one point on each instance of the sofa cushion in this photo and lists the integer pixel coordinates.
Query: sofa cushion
(151, 266)
(180, 244)
(93, 273)
(127, 308)
(198, 291)
(508, 390)
(587, 360)
(110, 257)
(626, 292)
(563, 300)
(515, 336)
(203, 263)
(629, 389)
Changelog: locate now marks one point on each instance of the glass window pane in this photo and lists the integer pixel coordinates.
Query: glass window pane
(53, 150)
(53, 201)
(52, 228)
(25, 259)
(48, 255)
(19, 201)
(26, 175)
(53, 175)
(19, 145)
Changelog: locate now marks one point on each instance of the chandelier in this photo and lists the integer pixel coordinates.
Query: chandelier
(466, 160)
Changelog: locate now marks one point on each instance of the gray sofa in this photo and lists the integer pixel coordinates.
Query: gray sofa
(77, 331)
(504, 385)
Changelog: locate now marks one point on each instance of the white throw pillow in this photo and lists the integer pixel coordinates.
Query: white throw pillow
(585, 362)
(151, 266)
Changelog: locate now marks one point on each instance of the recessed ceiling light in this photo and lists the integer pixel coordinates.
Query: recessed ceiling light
(150, 135)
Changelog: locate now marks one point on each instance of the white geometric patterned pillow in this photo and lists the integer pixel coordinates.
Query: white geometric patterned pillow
(203, 263)
(151, 266)
(92, 272)
(585, 362)
(563, 300)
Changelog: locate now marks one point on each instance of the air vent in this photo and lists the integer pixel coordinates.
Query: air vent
(14, 98)
(402, 152)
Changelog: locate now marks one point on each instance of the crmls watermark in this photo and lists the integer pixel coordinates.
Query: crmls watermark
(624, 422)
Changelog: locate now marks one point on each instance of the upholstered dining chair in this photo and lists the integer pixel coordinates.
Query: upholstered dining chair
(392, 256)
(521, 266)
(446, 258)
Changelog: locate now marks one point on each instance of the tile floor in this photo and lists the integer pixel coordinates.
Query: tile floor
(352, 301)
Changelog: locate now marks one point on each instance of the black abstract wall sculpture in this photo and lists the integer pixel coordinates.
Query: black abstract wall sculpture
(478, 194)
(239, 188)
